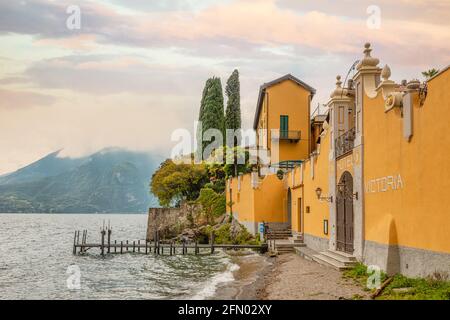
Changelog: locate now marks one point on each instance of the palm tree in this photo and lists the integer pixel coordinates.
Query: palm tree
(430, 73)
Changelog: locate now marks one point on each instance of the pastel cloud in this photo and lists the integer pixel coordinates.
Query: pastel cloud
(135, 70)
(248, 24)
(23, 99)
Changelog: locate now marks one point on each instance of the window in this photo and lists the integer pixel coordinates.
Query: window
(284, 126)
(341, 115)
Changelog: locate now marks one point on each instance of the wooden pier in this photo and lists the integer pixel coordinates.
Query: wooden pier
(157, 247)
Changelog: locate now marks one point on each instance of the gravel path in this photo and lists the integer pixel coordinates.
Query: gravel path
(295, 278)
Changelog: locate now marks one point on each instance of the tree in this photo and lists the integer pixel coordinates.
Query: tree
(172, 182)
(430, 73)
(211, 111)
(213, 204)
(233, 112)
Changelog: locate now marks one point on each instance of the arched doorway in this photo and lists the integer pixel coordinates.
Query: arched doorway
(344, 213)
(289, 207)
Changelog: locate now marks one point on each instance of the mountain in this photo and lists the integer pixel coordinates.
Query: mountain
(110, 181)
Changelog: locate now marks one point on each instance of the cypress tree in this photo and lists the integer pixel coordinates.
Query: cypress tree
(211, 110)
(233, 112)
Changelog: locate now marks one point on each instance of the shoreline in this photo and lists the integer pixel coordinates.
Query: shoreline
(249, 279)
(287, 277)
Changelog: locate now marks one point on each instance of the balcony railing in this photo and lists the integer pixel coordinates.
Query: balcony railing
(345, 143)
(291, 135)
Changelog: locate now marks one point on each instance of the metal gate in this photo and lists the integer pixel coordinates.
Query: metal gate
(344, 204)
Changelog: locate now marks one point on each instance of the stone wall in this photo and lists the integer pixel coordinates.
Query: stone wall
(167, 220)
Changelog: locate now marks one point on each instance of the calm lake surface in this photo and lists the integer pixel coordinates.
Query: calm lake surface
(36, 261)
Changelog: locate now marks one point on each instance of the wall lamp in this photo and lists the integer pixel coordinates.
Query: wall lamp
(319, 196)
(342, 190)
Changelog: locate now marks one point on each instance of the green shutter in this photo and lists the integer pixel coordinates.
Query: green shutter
(284, 126)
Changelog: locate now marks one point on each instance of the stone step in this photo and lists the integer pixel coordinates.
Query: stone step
(285, 250)
(287, 243)
(280, 232)
(295, 240)
(329, 262)
(345, 259)
(305, 252)
(345, 255)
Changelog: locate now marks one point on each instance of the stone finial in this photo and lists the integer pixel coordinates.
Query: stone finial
(339, 92)
(414, 84)
(386, 86)
(368, 60)
(367, 49)
(338, 81)
(386, 73)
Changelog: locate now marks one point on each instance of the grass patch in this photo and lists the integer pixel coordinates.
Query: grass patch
(359, 274)
(435, 287)
(417, 289)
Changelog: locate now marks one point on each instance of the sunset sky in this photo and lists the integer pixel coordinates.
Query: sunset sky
(135, 70)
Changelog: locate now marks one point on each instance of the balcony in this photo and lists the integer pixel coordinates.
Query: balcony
(291, 136)
(345, 143)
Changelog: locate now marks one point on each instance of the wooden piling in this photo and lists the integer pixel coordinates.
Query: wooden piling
(121, 247)
(134, 246)
(74, 243)
(115, 246)
(103, 242)
(127, 246)
(139, 245)
(109, 239)
(184, 247)
(146, 246)
(85, 240)
(78, 237)
(82, 241)
(196, 248)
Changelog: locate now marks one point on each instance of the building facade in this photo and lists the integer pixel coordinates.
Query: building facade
(373, 180)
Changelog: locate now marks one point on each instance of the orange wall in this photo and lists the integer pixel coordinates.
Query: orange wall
(270, 200)
(319, 209)
(265, 203)
(417, 213)
(243, 199)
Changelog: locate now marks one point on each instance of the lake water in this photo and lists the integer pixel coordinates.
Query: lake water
(36, 261)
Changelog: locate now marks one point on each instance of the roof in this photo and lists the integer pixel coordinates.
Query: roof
(320, 118)
(440, 72)
(262, 91)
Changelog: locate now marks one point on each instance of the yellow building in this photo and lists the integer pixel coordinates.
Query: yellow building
(282, 120)
(370, 185)
(283, 141)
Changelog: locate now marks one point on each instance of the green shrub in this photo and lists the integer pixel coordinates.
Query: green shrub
(213, 204)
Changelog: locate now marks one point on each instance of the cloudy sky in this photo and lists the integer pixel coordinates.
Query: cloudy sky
(135, 69)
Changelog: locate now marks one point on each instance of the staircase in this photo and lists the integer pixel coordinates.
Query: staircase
(335, 259)
(284, 241)
(283, 234)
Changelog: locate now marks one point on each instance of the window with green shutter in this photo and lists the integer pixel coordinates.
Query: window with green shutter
(284, 126)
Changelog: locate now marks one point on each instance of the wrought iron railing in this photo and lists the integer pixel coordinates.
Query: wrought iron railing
(345, 142)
